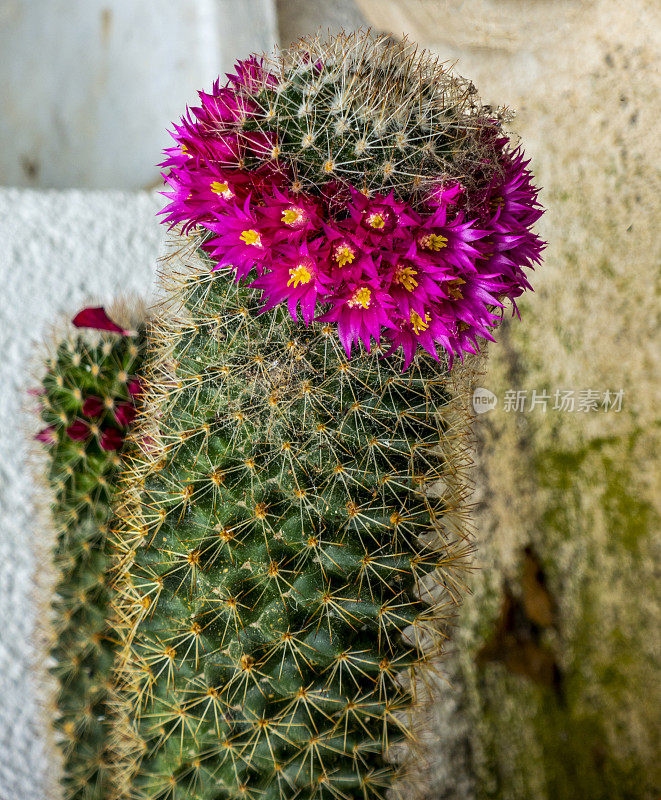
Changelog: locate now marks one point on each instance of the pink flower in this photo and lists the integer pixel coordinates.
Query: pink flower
(241, 241)
(298, 278)
(361, 311)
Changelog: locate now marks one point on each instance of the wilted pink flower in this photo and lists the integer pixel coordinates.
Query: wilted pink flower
(98, 319)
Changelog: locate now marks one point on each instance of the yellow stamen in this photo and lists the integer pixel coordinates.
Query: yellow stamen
(290, 216)
(361, 297)
(251, 236)
(299, 274)
(344, 254)
(453, 288)
(496, 204)
(433, 241)
(376, 220)
(223, 189)
(405, 276)
(419, 324)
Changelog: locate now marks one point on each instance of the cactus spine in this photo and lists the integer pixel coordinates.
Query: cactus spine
(292, 526)
(87, 403)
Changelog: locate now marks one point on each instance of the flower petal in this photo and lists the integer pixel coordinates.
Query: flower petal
(98, 319)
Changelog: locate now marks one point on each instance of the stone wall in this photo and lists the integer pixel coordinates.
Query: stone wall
(555, 668)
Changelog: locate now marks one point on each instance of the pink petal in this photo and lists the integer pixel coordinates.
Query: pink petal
(79, 431)
(93, 406)
(111, 439)
(98, 319)
(125, 414)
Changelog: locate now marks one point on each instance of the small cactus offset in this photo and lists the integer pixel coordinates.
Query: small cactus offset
(350, 220)
(87, 402)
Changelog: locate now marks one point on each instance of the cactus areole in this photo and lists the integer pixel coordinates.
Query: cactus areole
(348, 219)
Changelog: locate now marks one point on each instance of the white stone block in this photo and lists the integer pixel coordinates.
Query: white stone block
(60, 251)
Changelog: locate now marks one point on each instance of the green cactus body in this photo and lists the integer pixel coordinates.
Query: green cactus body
(83, 462)
(283, 596)
(293, 527)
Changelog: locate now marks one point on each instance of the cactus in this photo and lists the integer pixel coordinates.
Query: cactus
(87, 402)
(293, 528)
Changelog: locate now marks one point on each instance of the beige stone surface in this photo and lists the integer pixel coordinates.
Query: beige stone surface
(582, 489)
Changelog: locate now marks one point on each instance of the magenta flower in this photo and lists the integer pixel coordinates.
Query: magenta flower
(429, 273)
(361, 312)
(446, 240)
(297, 278)
(134, 387)
(420, 330)
(241, 240)
(251, 75)
(288, 217)
(415, 286)
(508, 208)
(444, 193)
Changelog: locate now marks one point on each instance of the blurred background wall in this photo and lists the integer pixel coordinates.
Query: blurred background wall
(553, 667)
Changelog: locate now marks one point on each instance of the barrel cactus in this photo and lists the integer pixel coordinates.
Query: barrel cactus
(348, 221)
(87, 401)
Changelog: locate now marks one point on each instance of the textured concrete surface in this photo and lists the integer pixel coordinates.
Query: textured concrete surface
(581, 488)
(88, 87)
(60, 250)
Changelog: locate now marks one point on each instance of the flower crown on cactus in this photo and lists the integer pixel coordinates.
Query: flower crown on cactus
(404, 216)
